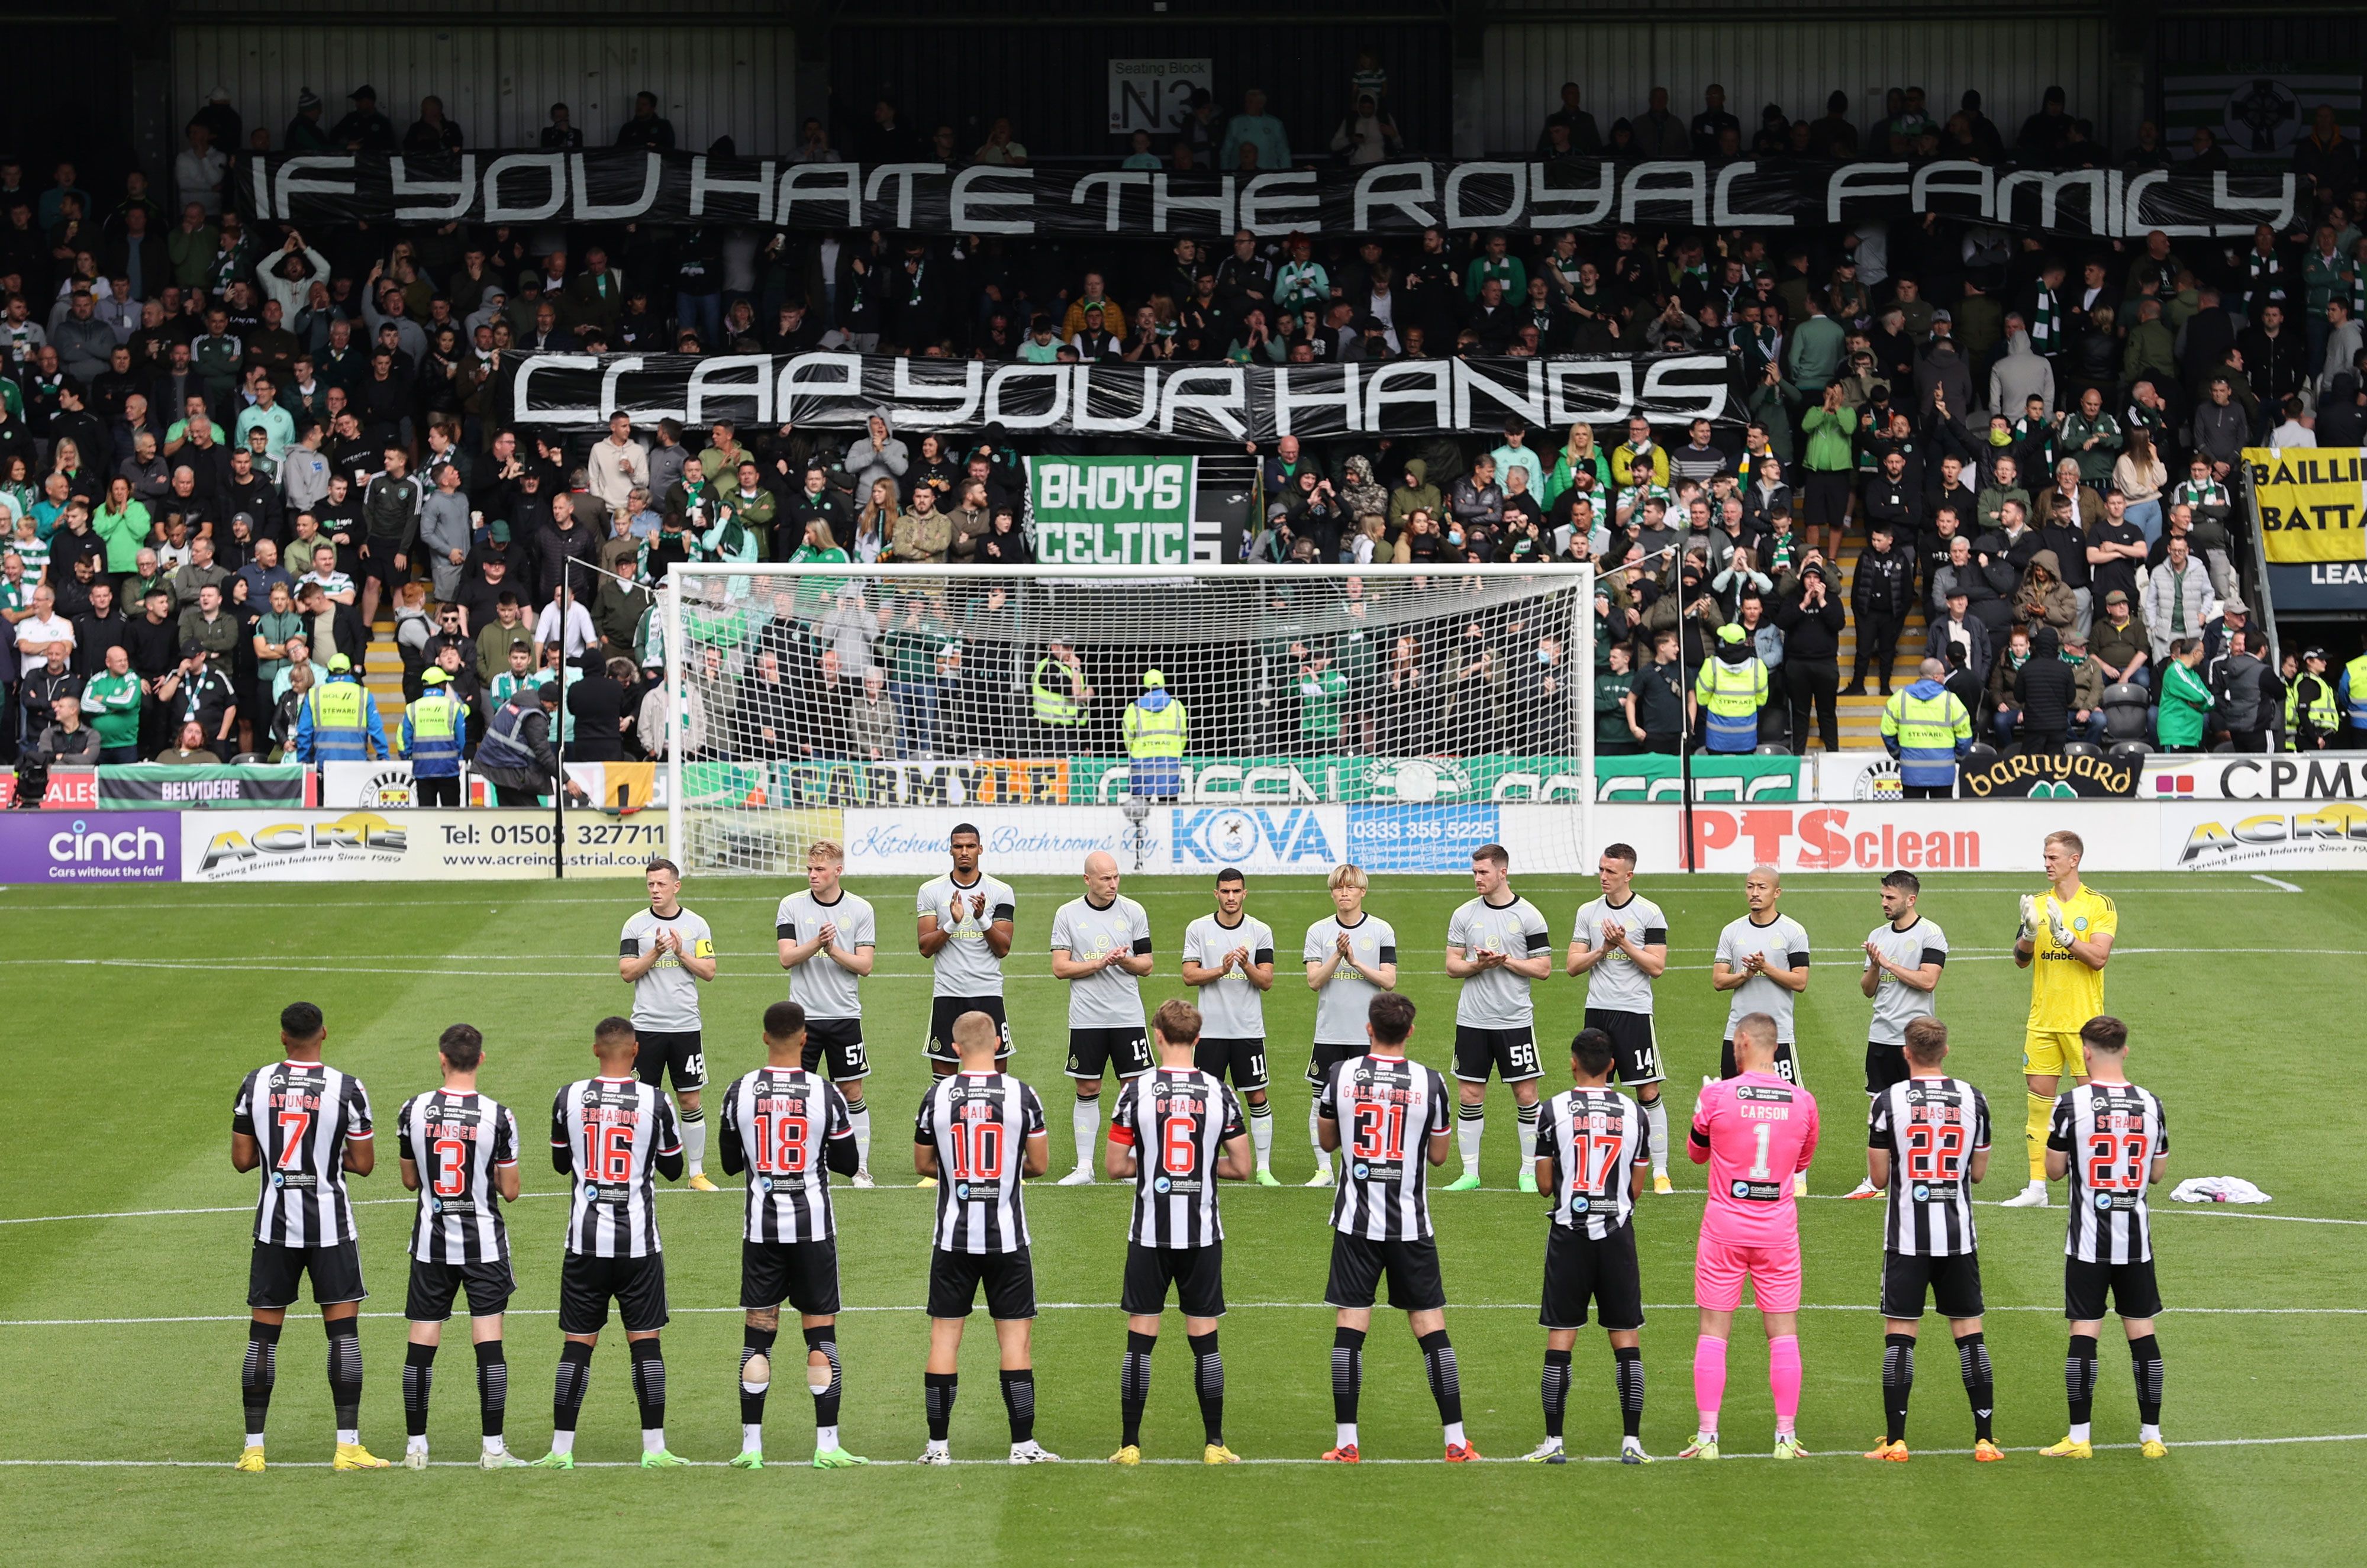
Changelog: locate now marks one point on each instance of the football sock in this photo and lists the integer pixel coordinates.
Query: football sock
(648, 1391)
(1262, 1133)
(2080, 1382)
(257, 1377)
(345, 1374)
(937, 1390)
(1526, 1116)
(2041, 1112)
(1470, 1124)
(492, 1389)
(1898, 1383)
(1208, 1378)
(1980, 1382)
(1554, 1389)
(826, 1397)
(1445, 1382)
(1628, 1364)
(859, 1114)
(2145, 1360)
(1133, 1384)
(1709, 1379)
(572, 1381)
(1656, 1119)
(1085, 1120)
(1347, 1379)
(418, 1379)
(1315, 1139)
(1019, 1403)
(693, 1138)
(1784, 1380)
(755, 1342)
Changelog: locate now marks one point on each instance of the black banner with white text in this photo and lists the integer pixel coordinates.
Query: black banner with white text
(626, 184)
(1223, 402)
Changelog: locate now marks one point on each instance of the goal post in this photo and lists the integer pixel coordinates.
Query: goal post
(1277, 718)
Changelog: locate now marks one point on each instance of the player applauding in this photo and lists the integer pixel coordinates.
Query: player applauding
(1496, 944)
(829, 939)
(1229, 955)
(965, 933)
(1754, 1130)
(1352, 958)
(1620, 943)
(2065, 939)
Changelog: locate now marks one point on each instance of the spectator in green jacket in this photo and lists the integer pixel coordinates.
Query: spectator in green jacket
(124, 524)
(2185, 702)
(2092, 439)
(1831, 462)
(190, 248)
(112, 702)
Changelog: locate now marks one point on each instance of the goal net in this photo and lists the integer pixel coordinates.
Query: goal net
(1272, 718)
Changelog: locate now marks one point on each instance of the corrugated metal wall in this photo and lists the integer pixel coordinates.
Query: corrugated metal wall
(1791, 61)
(1053, 80)
(498, 81)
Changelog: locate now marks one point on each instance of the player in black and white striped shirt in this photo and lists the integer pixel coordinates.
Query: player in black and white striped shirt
(1927, 1144)
(304, 1125)
(1174, 1132)
(2112, 1140)
(614, 1134)
(1391, 1116)
(460, 1153)
(980, 1133)
(788, 1128)
(1593, 1145)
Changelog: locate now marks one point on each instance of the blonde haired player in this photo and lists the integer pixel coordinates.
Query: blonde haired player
(2067, 936)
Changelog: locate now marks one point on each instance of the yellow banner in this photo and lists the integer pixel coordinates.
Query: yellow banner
(2313, 503)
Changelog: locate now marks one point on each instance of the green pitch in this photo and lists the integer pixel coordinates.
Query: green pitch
(132, 1014)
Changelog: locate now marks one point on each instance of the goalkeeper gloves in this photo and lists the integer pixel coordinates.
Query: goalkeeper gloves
(2056, 924)
(2029, 920)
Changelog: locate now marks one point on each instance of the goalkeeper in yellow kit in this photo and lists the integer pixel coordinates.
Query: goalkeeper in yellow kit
(2067, 935)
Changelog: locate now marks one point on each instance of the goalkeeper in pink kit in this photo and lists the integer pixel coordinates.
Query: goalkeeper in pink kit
(1755, 1131)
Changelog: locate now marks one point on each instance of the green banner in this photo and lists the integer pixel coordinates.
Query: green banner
(1113, 511)
(1421, 781)
(144, 786)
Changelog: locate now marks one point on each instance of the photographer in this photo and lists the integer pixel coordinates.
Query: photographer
(1811, 619)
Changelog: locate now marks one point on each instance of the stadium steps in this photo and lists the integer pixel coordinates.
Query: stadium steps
(382, 673)
(1859, 719)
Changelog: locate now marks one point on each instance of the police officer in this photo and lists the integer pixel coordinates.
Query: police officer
(1059, 693)
(515, 755)
(2312, 716)
(2350, 691)
(1731, 688)
(1155, 727)
(1927, 728)
(340, 722)
(433, 730)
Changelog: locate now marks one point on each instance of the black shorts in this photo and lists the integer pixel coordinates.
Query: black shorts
(1009, 1277)
(1885, 1065)
(840, 1039)
(433, 1286)
(1511, 1053)
(1197, 1273)
(275, 1272)
(802, 1273)
(1096, 1052)
(1323, 1058)
(1357, 1265)
(943, 1011)
(1579, 1269)
(674, 1051)
(1787, 1065)
(1635, 1044)
(1244, 1059)
(2131, 1286)
(586, 1285)
(1953, 1285)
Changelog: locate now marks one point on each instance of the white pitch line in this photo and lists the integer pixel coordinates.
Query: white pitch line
(2279, 886)
(1091, 1465)
(1868, 1308)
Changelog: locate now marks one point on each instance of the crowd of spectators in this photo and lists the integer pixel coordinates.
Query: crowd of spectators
(232, 455)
